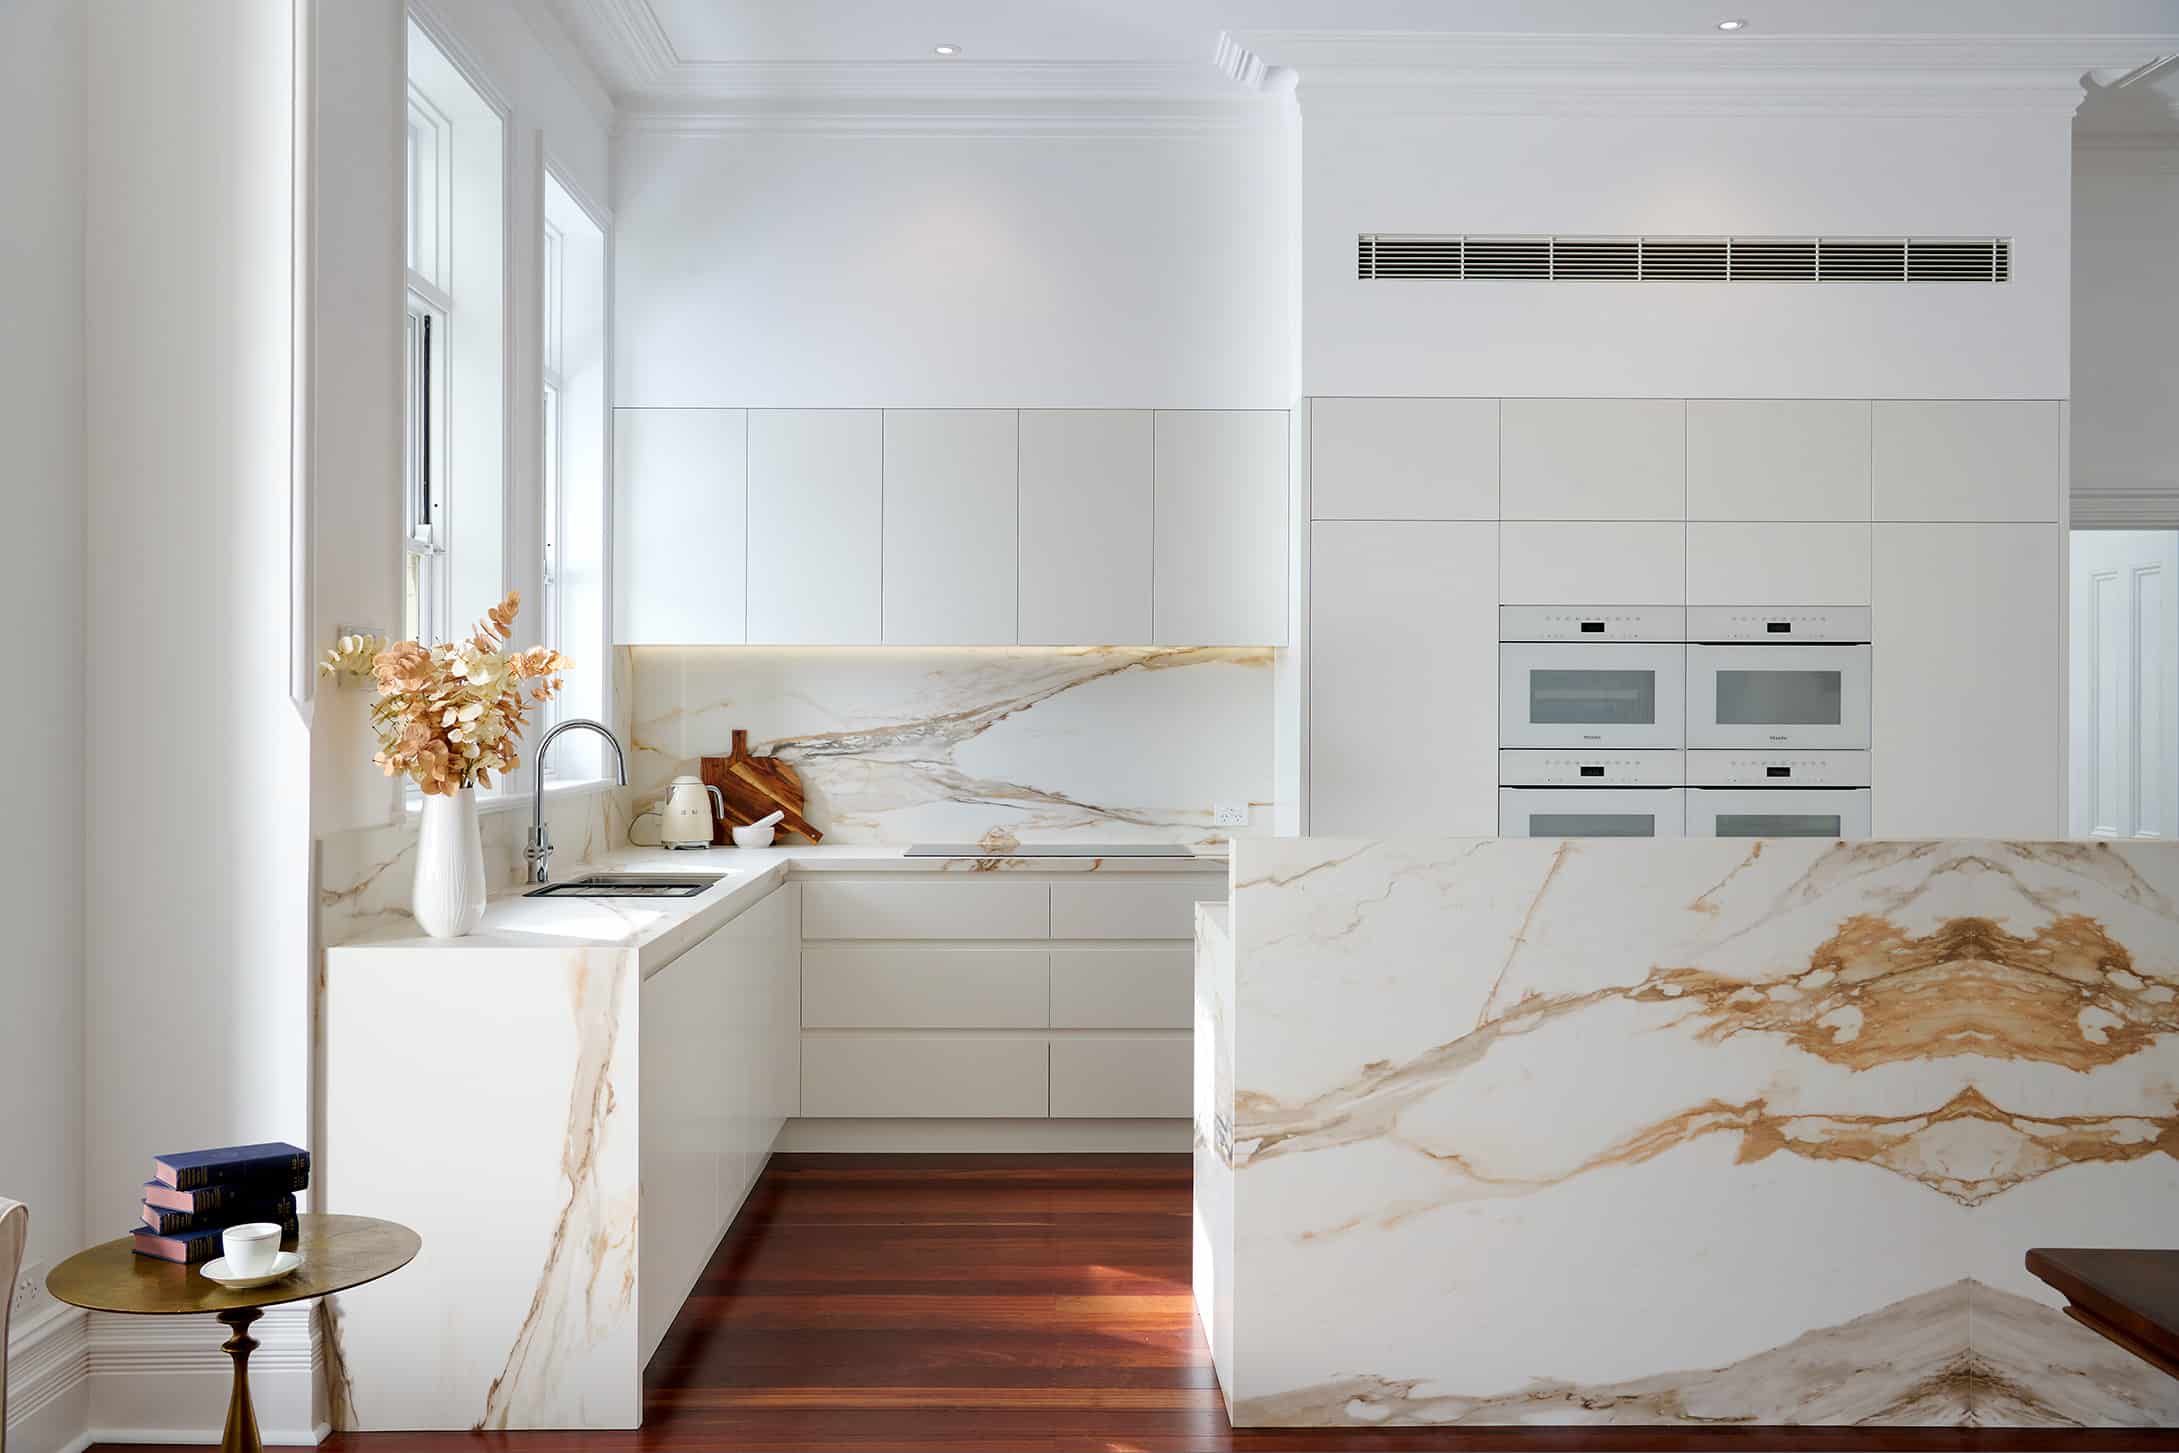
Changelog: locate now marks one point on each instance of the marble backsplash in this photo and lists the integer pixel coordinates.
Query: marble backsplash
(913, 744)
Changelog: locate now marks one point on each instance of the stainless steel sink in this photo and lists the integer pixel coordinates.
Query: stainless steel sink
(629, 885)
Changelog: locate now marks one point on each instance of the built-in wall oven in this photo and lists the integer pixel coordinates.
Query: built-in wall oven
(1778, 794)
(1591, 794)
(1775, 680)
(1585, 678)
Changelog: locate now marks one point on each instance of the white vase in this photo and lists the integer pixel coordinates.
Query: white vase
(449, 897)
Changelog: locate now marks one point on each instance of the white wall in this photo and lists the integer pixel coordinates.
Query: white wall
(2126, 318)
(41, 417)
(1778, 176)
(197, 953)
(788, 267)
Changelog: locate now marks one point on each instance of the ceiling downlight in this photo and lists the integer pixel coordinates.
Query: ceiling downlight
(1470, 257)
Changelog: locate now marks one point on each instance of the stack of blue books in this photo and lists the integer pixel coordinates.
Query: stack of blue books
(193, 1195)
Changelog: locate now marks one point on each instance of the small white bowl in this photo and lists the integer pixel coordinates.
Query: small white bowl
(753, 837)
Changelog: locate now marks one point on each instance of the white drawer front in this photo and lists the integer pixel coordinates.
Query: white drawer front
(911, 1075)
(1123, 988)
(1131, 910)
(1122, 1076)
(924, 988)
(1592, 564)
(923, 909)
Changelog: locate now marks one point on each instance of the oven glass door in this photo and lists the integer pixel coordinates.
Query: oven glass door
(1778, 696)
(1778, 812)
(1591, 812)
(1617, 695)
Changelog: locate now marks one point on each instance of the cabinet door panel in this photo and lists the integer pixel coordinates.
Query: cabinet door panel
(949, 527)
(1981, 460)
(1592, 459)
(816, 498)
(1121, 1076)
(924, 988)
(1966, 693)
(1131, 910)
(681, 513)
(1085, 560)
(1403, 648)
(1403, 459)
(1592, 564)
(1122, 988)
(1777, 459)
(898, 1076)
(1777, 565)
(1219, 523)
(918, 908)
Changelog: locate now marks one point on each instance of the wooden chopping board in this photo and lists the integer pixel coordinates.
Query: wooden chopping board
(754, 787)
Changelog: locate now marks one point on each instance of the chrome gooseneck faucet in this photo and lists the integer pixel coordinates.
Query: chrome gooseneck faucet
(539, 852)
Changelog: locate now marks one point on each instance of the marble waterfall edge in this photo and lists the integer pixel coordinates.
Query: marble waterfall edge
(1690, 1132)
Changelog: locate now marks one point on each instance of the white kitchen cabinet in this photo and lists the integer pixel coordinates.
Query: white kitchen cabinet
(1592, 459)
(949, 527)
(1966, 691)
(1984, 460)
(912, 906)
(1085, 529)
(816, 501)
(1777, 565)
(1219, 527)
(1403, 704)
(1125, 988)
(1129, 908)
(1122, 1075)
(1778, 459)
(926, 1075)
(1592, 564)
(681, 513)
(684, 1100)
(1403, 459)
(920, 987)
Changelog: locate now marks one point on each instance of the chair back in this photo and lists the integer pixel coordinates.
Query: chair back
(14, 1233)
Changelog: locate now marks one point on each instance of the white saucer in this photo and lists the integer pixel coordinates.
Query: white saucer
(282, 1265)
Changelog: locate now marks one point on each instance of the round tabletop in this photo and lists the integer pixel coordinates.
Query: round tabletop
(339, 1252)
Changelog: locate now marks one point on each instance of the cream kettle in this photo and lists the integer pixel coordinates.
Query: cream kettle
(684, 818)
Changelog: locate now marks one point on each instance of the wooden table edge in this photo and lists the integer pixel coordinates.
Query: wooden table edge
(2104, 1315)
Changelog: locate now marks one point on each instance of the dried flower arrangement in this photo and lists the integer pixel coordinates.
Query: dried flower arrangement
(450, 716)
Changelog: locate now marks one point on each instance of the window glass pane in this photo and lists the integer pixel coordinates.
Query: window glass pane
(1777, 824)
(1609, 697)
(1592, 824)
(1778, 698)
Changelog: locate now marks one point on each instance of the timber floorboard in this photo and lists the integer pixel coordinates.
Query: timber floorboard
(1032, 1302)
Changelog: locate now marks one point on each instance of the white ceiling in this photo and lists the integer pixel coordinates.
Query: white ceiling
(1185, 30)
(712, 45)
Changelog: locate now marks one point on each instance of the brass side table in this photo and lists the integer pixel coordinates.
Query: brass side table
(339, 1252)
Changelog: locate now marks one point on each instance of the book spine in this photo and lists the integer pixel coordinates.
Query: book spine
(213, 1197)
(190, 1177)
(169, 1222)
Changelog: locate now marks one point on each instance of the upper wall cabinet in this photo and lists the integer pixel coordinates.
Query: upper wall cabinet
(681, 512)
(1985, 461)
(1085, 527)
(949, 527)
(816, 496)
(1220, 518)
(1592, 459)
(1778, 459)
(1403, 459)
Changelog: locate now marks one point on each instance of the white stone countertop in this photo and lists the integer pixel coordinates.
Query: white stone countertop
(661, 929)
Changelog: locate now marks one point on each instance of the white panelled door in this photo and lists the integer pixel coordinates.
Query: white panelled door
(2125, 610)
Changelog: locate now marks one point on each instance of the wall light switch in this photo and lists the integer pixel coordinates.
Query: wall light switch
(1230, 814)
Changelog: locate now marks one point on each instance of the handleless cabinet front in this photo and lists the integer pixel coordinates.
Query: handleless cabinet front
(816, 500)
(1592, 459)
(916, 907)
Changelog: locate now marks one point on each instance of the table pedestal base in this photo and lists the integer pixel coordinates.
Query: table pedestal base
(241, 1434)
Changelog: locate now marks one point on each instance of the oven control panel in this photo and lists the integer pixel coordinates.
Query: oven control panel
(1750, 624)
(1711, 768)
(1603, 768)
(1592, 623)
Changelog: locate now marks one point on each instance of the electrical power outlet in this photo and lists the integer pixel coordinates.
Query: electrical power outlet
(1230, 814)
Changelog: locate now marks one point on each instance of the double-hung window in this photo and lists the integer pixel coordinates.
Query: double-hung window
(425, 587)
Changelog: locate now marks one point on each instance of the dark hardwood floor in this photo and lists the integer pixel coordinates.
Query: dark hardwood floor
(1011, 1302)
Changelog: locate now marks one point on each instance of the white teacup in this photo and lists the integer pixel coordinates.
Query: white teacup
(251, 1247)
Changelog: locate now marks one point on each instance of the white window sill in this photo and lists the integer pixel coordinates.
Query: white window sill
(509, 801)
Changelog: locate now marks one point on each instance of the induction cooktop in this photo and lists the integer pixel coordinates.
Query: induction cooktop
(1050, 850)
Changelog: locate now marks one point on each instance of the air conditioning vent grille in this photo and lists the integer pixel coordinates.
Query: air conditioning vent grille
(1475, 258)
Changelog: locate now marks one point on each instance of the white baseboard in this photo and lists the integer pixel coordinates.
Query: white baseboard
(1074, 1137)
(75, 1379)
